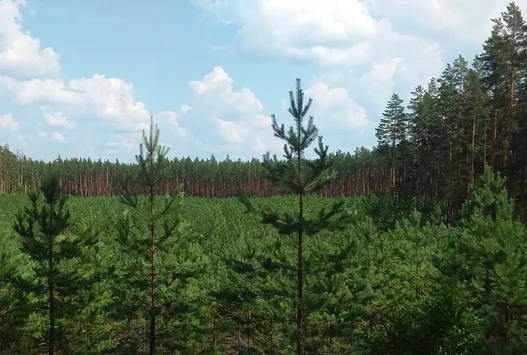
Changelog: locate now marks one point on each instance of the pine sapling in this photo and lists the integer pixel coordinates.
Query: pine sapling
(42, 229)
(300, 176)
(153, 168)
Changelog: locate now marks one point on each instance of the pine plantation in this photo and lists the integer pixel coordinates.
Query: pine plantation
(419, 286)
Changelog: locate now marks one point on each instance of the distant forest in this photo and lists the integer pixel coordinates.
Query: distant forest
(430, 148)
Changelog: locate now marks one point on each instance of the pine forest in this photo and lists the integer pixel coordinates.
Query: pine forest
(417, 246)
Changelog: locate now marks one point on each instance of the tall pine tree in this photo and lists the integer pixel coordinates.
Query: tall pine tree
(391, 132)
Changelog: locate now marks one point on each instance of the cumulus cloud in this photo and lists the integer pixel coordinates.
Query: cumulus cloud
(231, 132)
(239, 121)
(172, 118)
(237, 118)
(58, 137)
(216, 90)
(11, 131)
(54, 136)
(454, 18)
(8, 124)
(20, 53)
(57, 119)
(185, 108)
(359, 51)
(110, 98)
(328, 32)
(168, 119)
(338, 116)
(122, 143)
(30, 77)
(334, 109)
(367, 46)
(323, 32)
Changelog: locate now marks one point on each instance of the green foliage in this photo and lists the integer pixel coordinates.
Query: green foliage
(438, 326)
(299, 176)
(362, 282)
(160, 260)
(489, 259)
(55, 281)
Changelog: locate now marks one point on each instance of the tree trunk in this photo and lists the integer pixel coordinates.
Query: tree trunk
(51, 344)
(152, 278)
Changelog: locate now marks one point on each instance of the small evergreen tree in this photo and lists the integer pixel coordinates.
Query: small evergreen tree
(493, 264)
(441, 325)
(12, 317)
(299, 176)
(144, 273)
(42, 229)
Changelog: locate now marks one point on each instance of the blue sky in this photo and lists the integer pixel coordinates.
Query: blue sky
(81, 78)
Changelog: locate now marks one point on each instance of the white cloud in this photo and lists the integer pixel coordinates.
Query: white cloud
(467, 21)
(172, 118)
(237, 117)
(328, 32)
(9, 124)
(232, 133)
(58, 137)
(216, 90)
(382, 76)
(13, 129)
(20, 54)
(384, 70)
(325, 32)
(30, 75)
(123, 144)
(359, 52)
(185, 108)
(110, 98)
(343, 39)
(57, 119)
(347, 38)
(334, 110)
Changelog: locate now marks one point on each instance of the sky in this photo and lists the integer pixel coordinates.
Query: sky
(82, 78)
